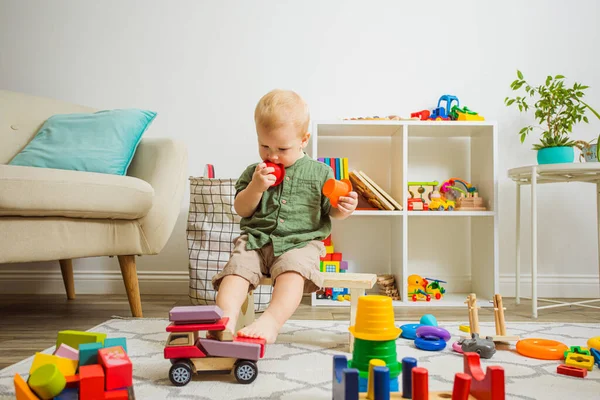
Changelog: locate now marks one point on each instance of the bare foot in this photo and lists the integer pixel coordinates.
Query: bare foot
(265, 327)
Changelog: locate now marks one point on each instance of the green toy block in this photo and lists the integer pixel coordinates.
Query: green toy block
(75, 338)
(112, 342)
(88, 353)
(577, 350)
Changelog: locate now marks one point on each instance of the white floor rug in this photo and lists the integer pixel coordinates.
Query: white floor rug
(299, 365)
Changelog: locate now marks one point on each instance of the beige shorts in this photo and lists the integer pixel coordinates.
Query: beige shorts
(252, 265)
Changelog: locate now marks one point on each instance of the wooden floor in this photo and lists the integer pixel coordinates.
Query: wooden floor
(29, 324)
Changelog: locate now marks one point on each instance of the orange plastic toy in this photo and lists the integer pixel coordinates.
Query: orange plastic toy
(279, 172)
(543, 349)
(335, 189)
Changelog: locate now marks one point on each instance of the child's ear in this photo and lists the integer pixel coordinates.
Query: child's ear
(305, 139)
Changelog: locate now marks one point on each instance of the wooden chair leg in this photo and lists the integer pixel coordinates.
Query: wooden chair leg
(246, 313)
(130, 279)
(66, 269)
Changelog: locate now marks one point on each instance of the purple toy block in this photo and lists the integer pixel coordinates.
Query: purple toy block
(195, 314)
(242, 350)
(67, 351)
(343, 265)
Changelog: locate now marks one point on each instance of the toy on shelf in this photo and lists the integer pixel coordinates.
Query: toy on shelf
(279, 172)
(376, 118)
(85, 365)
(420, 195)
(334, 189)
(434, 289)
(417, 288)
(499, 321)
(464, 194)
(387, 286)
(447, 112)
(333, 262)
(440, 203)
(222, 352)
(472, 384)
(375, 338)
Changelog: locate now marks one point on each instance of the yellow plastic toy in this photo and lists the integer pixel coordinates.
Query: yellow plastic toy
(580, 360)
(375, 319)
(594, 343)
(417, 288)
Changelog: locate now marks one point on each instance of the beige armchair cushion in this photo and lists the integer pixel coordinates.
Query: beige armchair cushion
(44, 192)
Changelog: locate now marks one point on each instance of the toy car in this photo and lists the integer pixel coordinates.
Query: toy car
(190, 353)
(484, 347)
(441, 204)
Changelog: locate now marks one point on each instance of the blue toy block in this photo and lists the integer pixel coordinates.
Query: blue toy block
(88, 353)
(68, 394)
(113, 342)
(345, 380)
(596, 354)
(408, 363)
(382, 383)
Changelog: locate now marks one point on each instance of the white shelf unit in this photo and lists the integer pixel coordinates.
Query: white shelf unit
(460, 247)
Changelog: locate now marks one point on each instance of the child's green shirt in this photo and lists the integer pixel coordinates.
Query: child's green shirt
(293, 213)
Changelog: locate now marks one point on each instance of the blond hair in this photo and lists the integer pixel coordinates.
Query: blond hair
(282, 107)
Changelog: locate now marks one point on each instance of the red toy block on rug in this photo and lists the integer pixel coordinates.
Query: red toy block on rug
(118, 367)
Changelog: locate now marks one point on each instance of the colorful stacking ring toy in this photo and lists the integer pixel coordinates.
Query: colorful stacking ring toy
(543, 349)
(409, 331)
(430, 345)
(433, 332)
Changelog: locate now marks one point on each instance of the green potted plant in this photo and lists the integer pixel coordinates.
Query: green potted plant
(557, 109)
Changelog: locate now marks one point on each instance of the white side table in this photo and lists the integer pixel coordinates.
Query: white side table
(549, 173)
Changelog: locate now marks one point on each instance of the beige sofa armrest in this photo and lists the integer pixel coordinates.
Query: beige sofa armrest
(163, 163)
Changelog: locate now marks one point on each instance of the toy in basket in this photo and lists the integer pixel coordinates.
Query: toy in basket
(85, 366)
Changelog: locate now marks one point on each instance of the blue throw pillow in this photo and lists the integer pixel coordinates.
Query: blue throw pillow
(103, 142)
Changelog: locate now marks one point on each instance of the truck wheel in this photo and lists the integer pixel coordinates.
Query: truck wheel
(180, 373)
(245, 371)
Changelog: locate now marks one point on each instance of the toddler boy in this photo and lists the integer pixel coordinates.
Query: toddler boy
(282, 226)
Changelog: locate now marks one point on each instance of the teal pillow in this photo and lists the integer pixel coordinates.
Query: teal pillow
(103, 142)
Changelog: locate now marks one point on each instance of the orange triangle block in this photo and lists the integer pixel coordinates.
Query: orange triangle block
(22, 389)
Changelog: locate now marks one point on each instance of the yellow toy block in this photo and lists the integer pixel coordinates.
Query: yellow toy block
(66, 366)
(75, 338)
(329, 249)
(465, 328)
(580, 360)
(22, 389)
(335, 264)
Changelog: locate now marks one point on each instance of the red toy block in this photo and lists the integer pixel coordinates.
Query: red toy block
(118, 367)
(116, 395)
(484, 386)
(327, 241)
(91, 382)
(336, 257)
(326, 258)
(462, 387)
(570, 370)
(420, 384)
(217, 326)
(171, 352)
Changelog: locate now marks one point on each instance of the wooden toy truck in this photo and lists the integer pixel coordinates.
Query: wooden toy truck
(190, 354)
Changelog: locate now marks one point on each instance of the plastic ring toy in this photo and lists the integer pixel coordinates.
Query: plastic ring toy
(457, 347)
(594, 343)
(433, 331)
(542, 349)
(430, 345)
(409, 331)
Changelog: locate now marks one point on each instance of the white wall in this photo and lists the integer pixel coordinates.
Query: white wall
(203, 65)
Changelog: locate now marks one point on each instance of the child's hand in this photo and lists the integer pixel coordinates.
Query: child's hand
(263, 177)
(347, 204)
